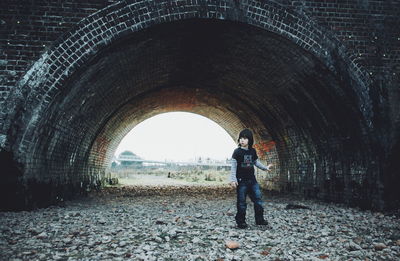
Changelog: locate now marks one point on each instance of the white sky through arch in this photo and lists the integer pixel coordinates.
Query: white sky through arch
(178, 136)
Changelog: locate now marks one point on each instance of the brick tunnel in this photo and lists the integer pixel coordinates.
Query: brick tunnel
(324, 112)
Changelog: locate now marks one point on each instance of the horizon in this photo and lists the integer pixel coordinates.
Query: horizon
(189, 137)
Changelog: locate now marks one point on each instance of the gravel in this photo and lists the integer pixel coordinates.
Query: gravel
(194, 223)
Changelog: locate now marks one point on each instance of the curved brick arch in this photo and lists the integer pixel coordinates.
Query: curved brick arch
(194, 101)
(50, 72)
(51, 77)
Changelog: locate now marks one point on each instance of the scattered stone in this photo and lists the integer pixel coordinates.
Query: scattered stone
(379, 246)
(295, 206)
(193, 224)
(33, 231)
(358, 240)
(187, 222)
(265, 253)
(230, 213)
(122, 243)
(12, 242)
(232, 244)
(102, 221)
(42, 235)
(351, 246)
(67, 240)
(196, 240)
(161, 222)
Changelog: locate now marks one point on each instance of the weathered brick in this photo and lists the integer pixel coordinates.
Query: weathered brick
(323, 85)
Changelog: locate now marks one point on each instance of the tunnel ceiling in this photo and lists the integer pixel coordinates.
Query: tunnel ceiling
(236, 74)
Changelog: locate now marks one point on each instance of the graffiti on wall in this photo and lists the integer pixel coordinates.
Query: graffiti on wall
(263, 148)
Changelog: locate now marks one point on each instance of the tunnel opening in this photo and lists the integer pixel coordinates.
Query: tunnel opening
(175, 148)
(304, 114)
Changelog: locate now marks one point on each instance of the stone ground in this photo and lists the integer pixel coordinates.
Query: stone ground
(153, 180)
(194, 223)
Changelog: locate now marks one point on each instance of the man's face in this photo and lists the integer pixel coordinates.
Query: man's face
(244, 142)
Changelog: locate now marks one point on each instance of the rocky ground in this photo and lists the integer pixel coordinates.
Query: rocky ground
(194, 223)
(152, 180)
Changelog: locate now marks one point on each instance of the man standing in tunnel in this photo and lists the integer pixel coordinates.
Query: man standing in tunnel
(242, 177)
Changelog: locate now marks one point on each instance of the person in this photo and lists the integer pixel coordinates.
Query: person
(242, 177)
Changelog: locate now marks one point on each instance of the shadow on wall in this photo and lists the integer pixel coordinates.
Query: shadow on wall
(392, 178)
(17, 193)
(11, 176)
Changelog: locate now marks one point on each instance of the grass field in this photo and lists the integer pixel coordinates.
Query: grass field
(160, 177)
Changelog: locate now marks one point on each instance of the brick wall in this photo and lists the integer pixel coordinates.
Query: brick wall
(323, 78)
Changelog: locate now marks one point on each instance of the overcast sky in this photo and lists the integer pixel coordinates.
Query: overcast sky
(178, 136)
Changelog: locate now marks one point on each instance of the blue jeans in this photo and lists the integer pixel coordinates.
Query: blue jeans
(251, 188)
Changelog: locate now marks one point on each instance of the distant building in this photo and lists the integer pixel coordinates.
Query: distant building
(128, 158)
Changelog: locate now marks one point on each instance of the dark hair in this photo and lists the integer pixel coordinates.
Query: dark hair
(246, 133)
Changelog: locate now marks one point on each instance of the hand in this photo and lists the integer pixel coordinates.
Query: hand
(269, 166)
(234, 184)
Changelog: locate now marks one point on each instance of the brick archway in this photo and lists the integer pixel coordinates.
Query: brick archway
(304, 93)
(49, 74)
(196, 101)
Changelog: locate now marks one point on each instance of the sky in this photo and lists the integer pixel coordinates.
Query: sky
(178, 136)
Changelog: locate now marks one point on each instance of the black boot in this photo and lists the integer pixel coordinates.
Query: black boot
(241, 219)
(259, 216)
(262, 222)
(242, 225)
